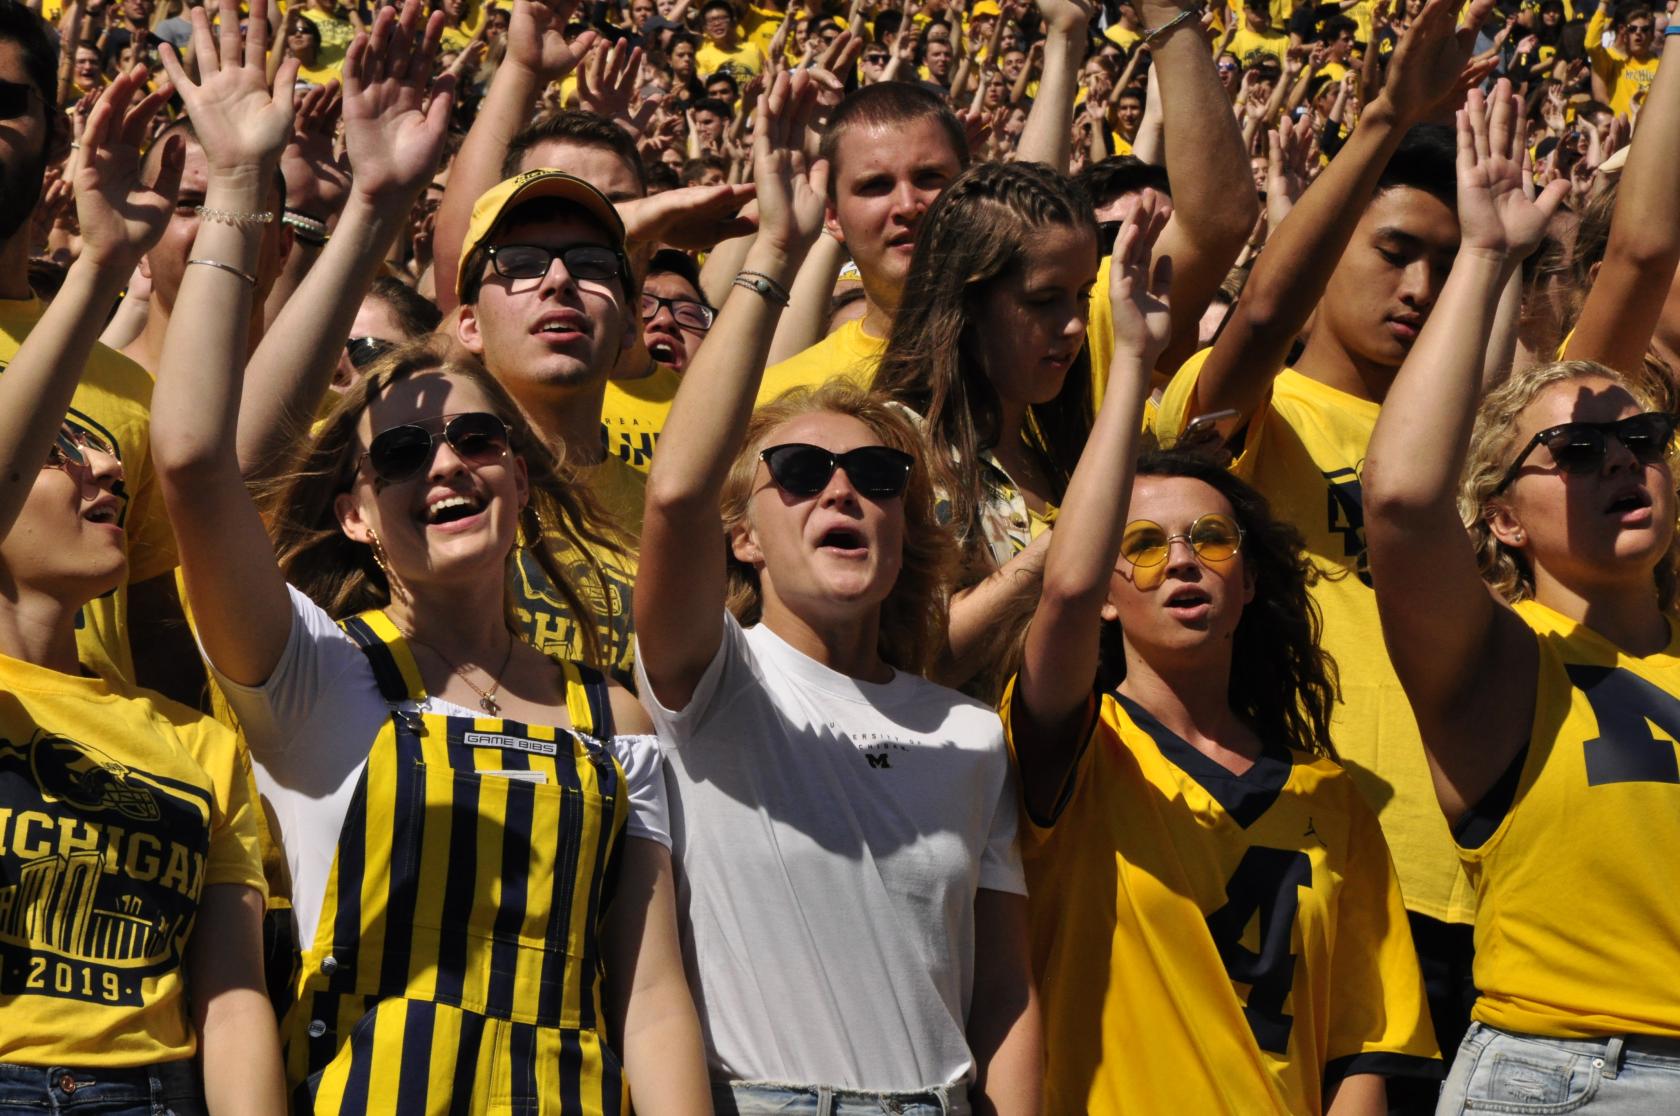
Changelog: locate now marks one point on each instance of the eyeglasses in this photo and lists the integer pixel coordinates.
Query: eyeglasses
(595, 263)
(875, 59)
(401, 452)
(1213, 537)
(1639, 28)
(1227, 67)
(1580, 447)
(688, 313)
(363, 351)
(878, 472)
(14, 99)
(72, 445)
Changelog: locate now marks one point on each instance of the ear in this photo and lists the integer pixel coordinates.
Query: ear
(1506, 526)
(350, 519)
(1592, 273)
(743, 544)
(466, 330)
(146, 266)
(831, 220)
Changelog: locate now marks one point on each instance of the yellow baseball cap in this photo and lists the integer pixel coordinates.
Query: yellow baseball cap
(501, 199)
(985, 8)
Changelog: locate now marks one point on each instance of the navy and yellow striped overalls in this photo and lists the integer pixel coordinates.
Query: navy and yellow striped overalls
(457, 965)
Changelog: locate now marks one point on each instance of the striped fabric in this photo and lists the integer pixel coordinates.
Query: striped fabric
(457, 966)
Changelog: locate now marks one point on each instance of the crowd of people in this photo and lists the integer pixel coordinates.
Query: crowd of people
(932, 557)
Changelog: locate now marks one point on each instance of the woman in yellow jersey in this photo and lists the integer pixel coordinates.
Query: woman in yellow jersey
(1536, 641)
(1216, 924)
(479, 872)
(990, 355)
(845, 829)
(130, 892)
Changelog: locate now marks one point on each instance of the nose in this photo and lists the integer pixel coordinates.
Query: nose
(839, 491)
(557, 279)
(1420, 285)
(1181, 560)
(103, 470)
(445, 463)
(662, 319)
(1618, 457)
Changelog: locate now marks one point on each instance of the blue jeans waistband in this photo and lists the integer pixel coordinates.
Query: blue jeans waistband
(165, 1087)
(764, 1098)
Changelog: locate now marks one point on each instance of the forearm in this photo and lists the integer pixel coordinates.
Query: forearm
(1502, 342)
(722, 264)
(1359, 1094)
(292, 368)
(125, 325)
(805, 321)
(239, 1042)
(1046, 137)
(977, 612)
(478, 166)
(1004, 1028)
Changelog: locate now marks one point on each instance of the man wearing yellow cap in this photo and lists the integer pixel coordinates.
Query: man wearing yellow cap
(549, 302)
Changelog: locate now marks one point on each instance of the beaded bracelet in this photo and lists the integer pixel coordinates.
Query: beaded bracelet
(228, 217)
(760, 283)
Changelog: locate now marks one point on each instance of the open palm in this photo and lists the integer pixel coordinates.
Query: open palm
(241, 118)
(792, 190)
(1498, 210)
(536, 38)
(1137, 295)
(119, 214)
(395, 115)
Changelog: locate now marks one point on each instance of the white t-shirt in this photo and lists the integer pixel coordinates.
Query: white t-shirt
(829, 837)
(310, 728)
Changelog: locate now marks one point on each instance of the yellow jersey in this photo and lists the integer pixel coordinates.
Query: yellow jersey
(1305, 450)
(1626, 79)
(336, 34)
(1245, 42)
(1578, 934)
(847, 352)
(113, 400)
(117, 809)
(744, 59)
(1207, 942)
(633, 413)
(1122, 37)
(543, 617)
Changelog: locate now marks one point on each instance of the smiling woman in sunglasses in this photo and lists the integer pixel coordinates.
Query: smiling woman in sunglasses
(480, 879)
(845, 830)
(1216, 925)
(1537, 643)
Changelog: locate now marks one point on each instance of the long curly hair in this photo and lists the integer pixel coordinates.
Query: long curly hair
(1283, 683)
(978, 232)
(1495, 440)
(912, 632)
(342, 576)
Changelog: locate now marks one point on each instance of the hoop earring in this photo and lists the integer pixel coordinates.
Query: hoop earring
(395, 586)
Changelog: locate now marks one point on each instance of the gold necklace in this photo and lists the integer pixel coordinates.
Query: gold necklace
(486, 698)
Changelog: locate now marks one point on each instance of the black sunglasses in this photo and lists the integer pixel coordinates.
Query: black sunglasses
(363, 351)
(401, 452)
(14, 99)
(878, 472)
(688, 313)
(593, 262)
(1580, 447)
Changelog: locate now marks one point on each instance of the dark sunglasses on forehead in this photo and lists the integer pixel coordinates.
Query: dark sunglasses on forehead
(687, 312)
(878, 472)
(72, 444)
(593, 262)
(1580, 447)
(401, 452)
(363, 351)
(14, 99)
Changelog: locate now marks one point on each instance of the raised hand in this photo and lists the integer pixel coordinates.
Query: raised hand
(396, 115)
(1498, 212)
(536, 38)
(316, 179)
(607, 80)
(792, 189)
(1432, 67)
(1289, 149)
(1075, 15)
(1138, 296)
(242, 120)
(121, 216)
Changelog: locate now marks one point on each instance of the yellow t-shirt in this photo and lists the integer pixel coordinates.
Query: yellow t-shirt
(320, 75)
(745, 59)
(1628, 80)
(633, 413)
(117, 809)
(113, 400)
(1246, 41)
(759, 26)
(1304, 450)
(1121, 37)
(1573, 863)
(1214, 943)
(336, 34)
(543, 618)
(1281, 11)
(847, 352)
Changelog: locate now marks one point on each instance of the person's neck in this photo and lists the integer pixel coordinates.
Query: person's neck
(38, 629)
(571, 422)
(849, 646)
(1627, 615)
(146, 349)
(1191, 696)
(464, 622)
(1012, 416)
(14, 266)
(1332, 365)
(879, 310)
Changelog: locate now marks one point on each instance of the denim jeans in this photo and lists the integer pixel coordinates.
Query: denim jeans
(1497, 1071)
(169, 1089)
(763, 1098)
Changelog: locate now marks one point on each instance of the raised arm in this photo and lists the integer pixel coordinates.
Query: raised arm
(1060, 661)
(394, 138)
(120, 217)
(1214, 202)
(679, 592)
(1626, 300)
(233, 583)
(537, 55)
(1047, 136)
(1466, 662)
(1429, 72)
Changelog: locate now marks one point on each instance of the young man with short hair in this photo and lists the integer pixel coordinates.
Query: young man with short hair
(724, 48)
(1363, 255)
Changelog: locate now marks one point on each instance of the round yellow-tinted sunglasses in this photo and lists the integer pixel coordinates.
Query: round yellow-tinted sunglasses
(1213, 537)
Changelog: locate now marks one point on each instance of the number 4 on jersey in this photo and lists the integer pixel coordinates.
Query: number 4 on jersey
(1264, 884)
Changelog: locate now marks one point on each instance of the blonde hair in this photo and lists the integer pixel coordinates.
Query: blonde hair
(913, 616)
(344, 577)
(1495, 440)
